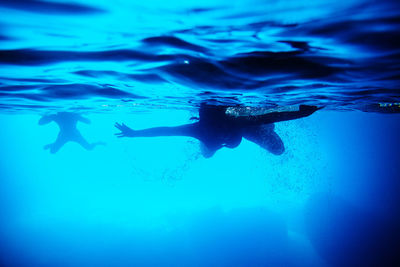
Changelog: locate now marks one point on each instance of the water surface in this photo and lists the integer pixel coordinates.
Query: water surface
(259, 53)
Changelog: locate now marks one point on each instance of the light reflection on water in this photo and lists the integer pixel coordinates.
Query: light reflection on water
(337, 54)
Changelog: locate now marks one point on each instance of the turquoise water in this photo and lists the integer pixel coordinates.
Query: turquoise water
(158, 202)
(331, 198)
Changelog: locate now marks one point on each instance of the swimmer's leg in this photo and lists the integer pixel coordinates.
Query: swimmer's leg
(61, 140)
(265, 136)
(85, 144)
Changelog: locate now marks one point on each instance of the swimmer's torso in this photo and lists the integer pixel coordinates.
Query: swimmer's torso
(67, 122)
(218, 129)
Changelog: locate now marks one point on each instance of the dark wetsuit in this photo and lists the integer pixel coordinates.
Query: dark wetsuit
(216, 129)
(222, 130)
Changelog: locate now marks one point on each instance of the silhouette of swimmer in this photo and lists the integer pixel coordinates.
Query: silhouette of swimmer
(68, 132)
(216, 129)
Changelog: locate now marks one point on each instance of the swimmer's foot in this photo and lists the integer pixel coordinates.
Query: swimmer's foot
(100, 144)
(47, 146)
(92, 145)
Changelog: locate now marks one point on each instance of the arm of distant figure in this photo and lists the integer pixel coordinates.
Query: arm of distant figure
(84, 120)
(304, 111)
(190, 130)
(46, 119)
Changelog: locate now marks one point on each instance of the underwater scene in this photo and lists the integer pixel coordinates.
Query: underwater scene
(200, 133)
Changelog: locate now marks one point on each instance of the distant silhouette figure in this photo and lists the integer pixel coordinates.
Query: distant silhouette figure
(216, 129)
(68, 132)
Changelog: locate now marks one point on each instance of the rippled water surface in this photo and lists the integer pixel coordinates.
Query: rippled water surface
(97, 54)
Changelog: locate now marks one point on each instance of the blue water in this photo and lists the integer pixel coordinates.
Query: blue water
(331, 199)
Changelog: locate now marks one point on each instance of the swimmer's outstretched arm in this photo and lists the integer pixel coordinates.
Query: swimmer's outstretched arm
(84, 120)
(304, 111)
(46, 119)
(190, 130)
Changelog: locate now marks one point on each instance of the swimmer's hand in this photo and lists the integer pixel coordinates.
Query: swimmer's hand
(125, 130)
(46, 119)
